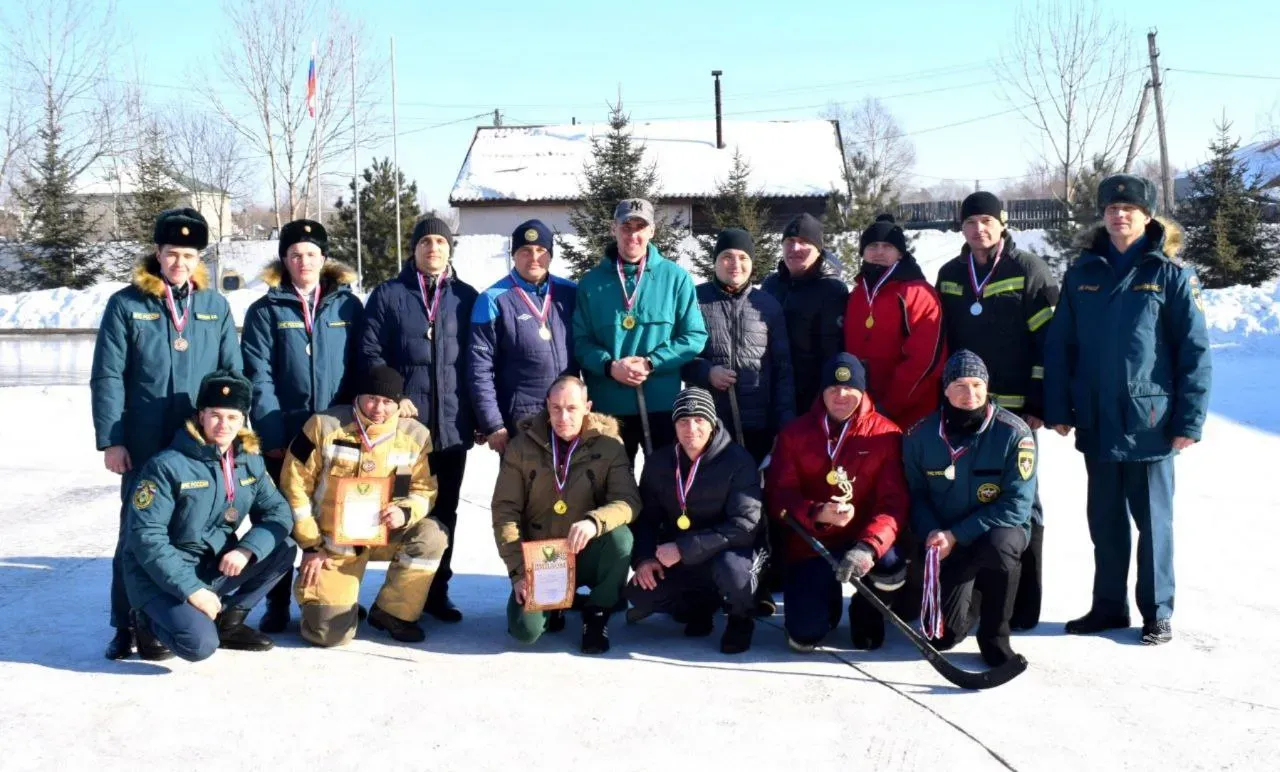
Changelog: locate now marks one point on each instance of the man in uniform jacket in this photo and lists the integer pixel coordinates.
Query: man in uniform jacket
(997, 301)
(566, 475)
(368, 439)
(520, 337)
(420, 325)
(699, 521)
(635, 325)
(299, 345)
(158, 338)
(1128, 367)
(808, 286)
(191, 580)
(837, 471)
(971, 470)
(893, 323)
(747, 350)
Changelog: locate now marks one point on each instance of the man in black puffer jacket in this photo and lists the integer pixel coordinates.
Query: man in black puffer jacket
(747, 349)
(808, 286)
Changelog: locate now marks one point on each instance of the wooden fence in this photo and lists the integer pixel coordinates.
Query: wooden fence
(1024, 213)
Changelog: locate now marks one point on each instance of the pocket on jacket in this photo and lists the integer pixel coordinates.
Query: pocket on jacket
(1148, 406)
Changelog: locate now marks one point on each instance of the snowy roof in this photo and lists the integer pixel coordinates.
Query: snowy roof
(102, 180)
(1261, 161)
(544, 163)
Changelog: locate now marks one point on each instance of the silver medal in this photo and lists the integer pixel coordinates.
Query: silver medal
(308, 349)
(976, 309)
(950, 472)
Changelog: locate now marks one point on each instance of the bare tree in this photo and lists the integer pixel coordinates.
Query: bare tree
(209, 160)
(265, 61)
(1071, 73)
(869, 131)
(1038, 182)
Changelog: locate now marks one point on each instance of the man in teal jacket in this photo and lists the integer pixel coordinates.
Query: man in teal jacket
(299, 347)
(190, 579)
(158, 337)
(971, 470)
(637, 322)
(1127, 365)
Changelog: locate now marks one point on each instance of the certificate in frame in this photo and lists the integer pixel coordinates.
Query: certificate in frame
(359, 499)
(550, 574)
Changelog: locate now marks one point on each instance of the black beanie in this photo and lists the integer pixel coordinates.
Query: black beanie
(382, 381)
(430, 226)
(735, 238)
(300, 231)
(980, 203)
(806, 227)
(225, 388)
(883, 229)
(964, 364)
(844, 369)
(694, 401)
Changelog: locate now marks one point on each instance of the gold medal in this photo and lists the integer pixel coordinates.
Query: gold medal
(832, 477)
(230, 515)
(544, 333)
(180, 344)
(368, 465)
(560, 507)
(683, 522)
(628, 322)
(871, 322)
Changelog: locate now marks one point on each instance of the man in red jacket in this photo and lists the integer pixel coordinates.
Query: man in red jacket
(837, 471)
(893, 323)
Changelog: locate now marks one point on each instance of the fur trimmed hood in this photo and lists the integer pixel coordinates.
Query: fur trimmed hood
(594, 425)
(246, 440)
(147, 278)
(1161, 232)
(332, 274)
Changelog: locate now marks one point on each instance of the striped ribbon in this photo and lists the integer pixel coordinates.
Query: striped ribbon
(931, 600)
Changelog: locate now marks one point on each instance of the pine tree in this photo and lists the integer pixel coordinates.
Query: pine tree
(55, 250)
(155, 190)
(737, 205)
(1225, 238)
(1082, 213)
(616, 171)
(377, 222)
(841, 236)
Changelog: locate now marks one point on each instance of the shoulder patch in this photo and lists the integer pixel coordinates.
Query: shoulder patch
(145, 316)
(1026, 462)
(302, 447)
(1027, 443)
(988, 492)
(193, 484)
(145, 494)
(207, 317)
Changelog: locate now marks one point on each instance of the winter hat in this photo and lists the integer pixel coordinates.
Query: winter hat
(735, 238)
(980, 203)
(1127, 189)
(806, 227)
(382, 381)
(844, 369)
(964, 364)
(695, 402)
(633, 208)
(224, 388)
(300, 231)
(430, 226)
(532, 232)
(885, 229)
(183, 227)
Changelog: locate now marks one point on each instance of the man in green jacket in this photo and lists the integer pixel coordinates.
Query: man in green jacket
(637, 322)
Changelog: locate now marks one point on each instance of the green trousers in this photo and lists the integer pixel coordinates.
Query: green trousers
(602, 566)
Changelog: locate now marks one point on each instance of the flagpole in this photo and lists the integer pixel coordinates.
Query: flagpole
(319, 139)
(395, 150)
(355, 168)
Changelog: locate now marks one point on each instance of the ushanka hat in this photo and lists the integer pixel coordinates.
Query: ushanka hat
(183, 227)
(1127, 189)
(225, 389)
(300, 231)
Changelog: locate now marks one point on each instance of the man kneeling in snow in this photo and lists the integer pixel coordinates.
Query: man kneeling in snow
(183, 558)
(369, 439)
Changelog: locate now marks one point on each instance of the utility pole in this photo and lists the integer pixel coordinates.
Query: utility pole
(497, 117)
(395, 151)
(1166, 175)
(1137, 128)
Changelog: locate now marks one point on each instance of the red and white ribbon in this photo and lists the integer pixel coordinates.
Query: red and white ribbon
(308, 310)
(561, 480)
(834, 450)
(630, 300)
(541, 315)
(433, 307)
(364, 435)
(931, 600)
(978, 287)
(956, 453)
(228, 476)
(178, 325)
(682, 487)
(872, 293)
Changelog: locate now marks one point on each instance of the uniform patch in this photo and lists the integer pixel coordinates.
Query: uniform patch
(1087, 288)
(339, 324)
(1147, 288)
(145, 317)
(938, 473)
(249, 481)
(192, 484)
(1027, 443)
(207, 317)
(988, 492)
(1026, 463)
(144, 494)
(290, 326)
(950, 288)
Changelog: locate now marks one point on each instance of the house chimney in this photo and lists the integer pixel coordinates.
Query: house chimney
(719, 116)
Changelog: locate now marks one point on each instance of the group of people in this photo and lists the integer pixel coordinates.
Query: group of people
(894, 423)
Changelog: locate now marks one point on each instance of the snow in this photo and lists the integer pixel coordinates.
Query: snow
(544, 163)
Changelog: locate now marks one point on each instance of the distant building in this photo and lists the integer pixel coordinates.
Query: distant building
(108, 200)
(1261, 161)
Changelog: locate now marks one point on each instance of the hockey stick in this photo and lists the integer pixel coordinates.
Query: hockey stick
(736, 415)
(965, 679)
(644, 422)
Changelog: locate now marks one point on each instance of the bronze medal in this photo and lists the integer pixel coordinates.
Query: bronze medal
(560, 507)
(628, 322)
(231, 515)
(180, 344)
(368, 466)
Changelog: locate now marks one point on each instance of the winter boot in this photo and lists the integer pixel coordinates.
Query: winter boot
(405, 632)
(275, 619)
(121, 646)
(234, 634)
(737, 635)
(555, 621)
(995, 650)
(439, 606)
(866, 625)
(765, 606)
(1096, 622)
(149, 646)
(800, 647)
(634, 615)
(699, 625)
(1156, 632)
(595, 630)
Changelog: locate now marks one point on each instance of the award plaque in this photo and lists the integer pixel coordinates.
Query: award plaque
(549, 575)
(360, 501)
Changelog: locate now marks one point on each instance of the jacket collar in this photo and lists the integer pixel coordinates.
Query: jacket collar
(538, 428)
(147, 278)
(654, 256)
(827, 266)
(191, 443)
(1164, 242)
(334, 277)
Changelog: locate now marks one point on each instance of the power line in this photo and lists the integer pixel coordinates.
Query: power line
(1251, 76)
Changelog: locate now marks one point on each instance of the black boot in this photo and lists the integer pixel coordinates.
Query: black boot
(276, 618)
(699, 625)
(234, 634)
(765, 606)
(1156, 632)
(595, 630)
(439, 606)
(555, 621)
(405, 632)
(149, 646)
(737, 634)
(866, 625)
(995, 651)
(1096, 622)
(121, 646)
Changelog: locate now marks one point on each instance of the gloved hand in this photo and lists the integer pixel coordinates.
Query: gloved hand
(856, 562)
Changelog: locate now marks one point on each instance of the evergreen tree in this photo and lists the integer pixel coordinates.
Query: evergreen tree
(55, 239)
(1225, 238)
(615, 171)
(841, 236)
(1082, 213)
(738, 206)
(155, 190)
(377, 222)
(868, 196)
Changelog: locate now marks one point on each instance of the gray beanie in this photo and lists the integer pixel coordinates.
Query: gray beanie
(964, 364)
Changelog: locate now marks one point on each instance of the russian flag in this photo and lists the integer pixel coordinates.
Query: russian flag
(311, 82)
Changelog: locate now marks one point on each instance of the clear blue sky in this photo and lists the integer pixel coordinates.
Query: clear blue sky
(550, 62)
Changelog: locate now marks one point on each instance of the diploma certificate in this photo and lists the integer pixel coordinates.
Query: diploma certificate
(360, 501)
(549, 572)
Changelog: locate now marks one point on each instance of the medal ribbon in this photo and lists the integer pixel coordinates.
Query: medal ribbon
(683, 488)
(364, 436)
(834, 450)
(546, 303)
(956, 453)
(555, 462)
(630, 300)
(931, 600)
(228, 475)
(871, 293)
(433, 307)
(173, 310)
(308, 314)
(978, 287)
